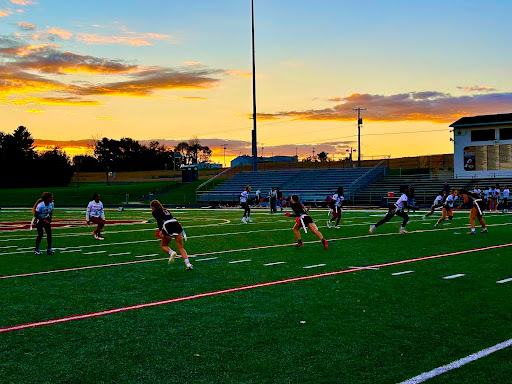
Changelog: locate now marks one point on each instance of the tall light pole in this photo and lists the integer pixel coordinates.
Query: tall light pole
(224, 147)
(254, 139)
(359, 123)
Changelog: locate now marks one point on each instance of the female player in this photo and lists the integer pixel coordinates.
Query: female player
(169, 227)
(303, 220)
(477, 209)
(96, 215)
(506, 194)
(244, 196)
(396, 209)
(43, 210)
(438, 203)
(448, 206)
(337, 210)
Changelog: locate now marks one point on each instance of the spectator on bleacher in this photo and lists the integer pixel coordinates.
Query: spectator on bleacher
(446, 188)
(477, 190)
(337, 200)
(496, 197)
(410, 201)
(258, 197)
(486, 195)
(279, 199)
(396, 209)
(272, 198)
(244, 197)
(506, 194)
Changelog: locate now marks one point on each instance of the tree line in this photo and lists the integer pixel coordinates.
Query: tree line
(22, 166)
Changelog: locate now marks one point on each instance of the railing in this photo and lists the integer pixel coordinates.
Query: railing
(366, 179)
(207, 182)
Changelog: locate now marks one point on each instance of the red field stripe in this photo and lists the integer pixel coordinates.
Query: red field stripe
(237, 289)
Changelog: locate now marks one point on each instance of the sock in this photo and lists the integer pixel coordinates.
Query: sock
(170, 251)
(472, 229)
(187, 262)
(299, 241)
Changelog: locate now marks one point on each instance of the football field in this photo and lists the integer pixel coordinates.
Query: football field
(381, 308)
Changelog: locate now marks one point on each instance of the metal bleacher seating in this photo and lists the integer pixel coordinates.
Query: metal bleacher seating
(312, 185)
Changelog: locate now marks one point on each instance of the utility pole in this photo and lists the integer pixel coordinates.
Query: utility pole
(254, 138)
(359, 123)
(224, 147)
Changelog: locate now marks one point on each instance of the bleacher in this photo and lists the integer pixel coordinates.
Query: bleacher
(312, 185)
(425, 187)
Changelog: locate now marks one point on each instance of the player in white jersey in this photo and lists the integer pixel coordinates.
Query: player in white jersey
(337, 204)
(448, 207)
(506, 194)
(438, 203)
(43, 211)
(497, 193)
(477, 190)
(396, 209)
(492, 201)
(244, 196)
(96, 215)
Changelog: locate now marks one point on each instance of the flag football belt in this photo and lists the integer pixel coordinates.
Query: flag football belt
(174, 221)
(475, 203)
(301, 217)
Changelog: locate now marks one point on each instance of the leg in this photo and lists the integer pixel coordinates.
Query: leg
(430, 213)
(39, 228)
(181, 250)
(386, 218)
(313, 228)
(164, 244)
(443, 216)
(48, 229)
(404, 216)
(99, 228)
(296, 232)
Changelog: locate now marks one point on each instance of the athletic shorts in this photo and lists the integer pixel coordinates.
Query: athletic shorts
(307, 220)
(434, 206)
(172, 229)
(244, 205)
(96, 220)
(448, 209)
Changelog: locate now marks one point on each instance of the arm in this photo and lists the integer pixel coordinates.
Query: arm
(88, 213)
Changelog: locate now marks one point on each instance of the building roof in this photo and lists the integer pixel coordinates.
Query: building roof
(503, 118)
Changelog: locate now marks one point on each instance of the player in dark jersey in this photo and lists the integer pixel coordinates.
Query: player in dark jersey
(477, 209)
(169, 227)
(303, 220)
(43, 211)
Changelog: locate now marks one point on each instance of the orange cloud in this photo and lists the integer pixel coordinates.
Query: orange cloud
(414, 106)
(62, 33)
(23, 2)
(4, 13)
(135, 39)
(236, 73)
(26, 26)
(34, 111)
(193, 98)
(193, 63)
(478, 88)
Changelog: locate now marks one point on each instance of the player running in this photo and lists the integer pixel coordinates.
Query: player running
(448, 207)
(438, 203)
(244, 196)
(96, 215)
(396, 209)
(169, 227)
(303, 220)
(337, 209)
(477, 209)
(43, 211)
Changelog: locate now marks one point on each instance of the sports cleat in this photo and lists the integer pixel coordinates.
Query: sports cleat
(95, 235)
(372, 228)
(471, 233)
(328, 224)
(50, 251)
(189, 267)
(484, 230)
(172, 256)
(243, 220)
(99, 238)
(326, 245)
(249, 220)
(336, 227)
(38, 252)
(436, 225)
(299, 244)
(423, 217)
(402, 231)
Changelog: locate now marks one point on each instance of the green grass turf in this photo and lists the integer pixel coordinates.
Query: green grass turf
(360, 327)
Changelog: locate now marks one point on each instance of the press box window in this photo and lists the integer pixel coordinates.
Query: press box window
(506, 134)
(483, 135)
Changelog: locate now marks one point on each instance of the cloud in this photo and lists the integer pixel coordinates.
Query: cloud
(477, 88)
(34, 111)
(236, 73)
(23, 2)
(26, 26)
(193, 98)
(4, 13)
(194, 63)
(133, 38)
(430, 106)
(62, 33)
(104, 118)
(51, 34)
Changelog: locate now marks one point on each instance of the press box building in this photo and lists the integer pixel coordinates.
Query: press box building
(483, 146)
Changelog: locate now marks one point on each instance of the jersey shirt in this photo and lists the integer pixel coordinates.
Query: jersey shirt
(401, 202)
(243, 196)
(94, 209)
(44, 211)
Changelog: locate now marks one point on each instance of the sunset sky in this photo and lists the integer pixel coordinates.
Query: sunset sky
(74, 71)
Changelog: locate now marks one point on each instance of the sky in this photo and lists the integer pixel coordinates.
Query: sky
(73, 72)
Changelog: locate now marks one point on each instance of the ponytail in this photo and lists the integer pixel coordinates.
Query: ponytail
(35, 205)
(46, 197)
(156, 204)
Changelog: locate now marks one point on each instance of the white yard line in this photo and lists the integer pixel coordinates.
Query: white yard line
(401, 273)
(375, 269)
(208, 258)
(239, 261)
(504, 281)
(150, 255)
(458, 363)
(276, 263)
(93, 253)
(314, 266)
(454, 276)
(119, 254)
(71, 250)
